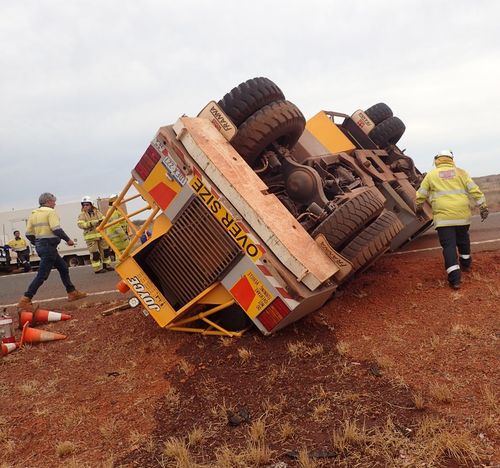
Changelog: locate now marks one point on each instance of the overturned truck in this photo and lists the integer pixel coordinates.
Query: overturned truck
(257, 216)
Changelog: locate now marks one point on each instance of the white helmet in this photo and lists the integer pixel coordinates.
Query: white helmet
(112, 197)
(86, 199)
(448, 153)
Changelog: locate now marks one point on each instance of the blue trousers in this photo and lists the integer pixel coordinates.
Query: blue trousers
(49, 258)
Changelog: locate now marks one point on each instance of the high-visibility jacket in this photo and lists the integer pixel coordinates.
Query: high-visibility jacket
(17, 245)
(449, 189)
(118, 232)
(88, 221)
(44, 223)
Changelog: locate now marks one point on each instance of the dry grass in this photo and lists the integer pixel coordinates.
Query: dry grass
(348, 435)
(440, 392)
(304, 460)
(176, 450)
(185, 367)
(257, 454)
(321, 411)
(490, 397)
(245, 355)
(467, 330)
(172, 398)
(29, 388)
(300, 349)
(197, 436)
(418, 400)
(63, 449)
(274, 407)
(286, 430)
(343, 348)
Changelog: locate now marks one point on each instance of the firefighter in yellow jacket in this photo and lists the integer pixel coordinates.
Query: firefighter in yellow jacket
(118, 233)
(100, 253)
(449, 190)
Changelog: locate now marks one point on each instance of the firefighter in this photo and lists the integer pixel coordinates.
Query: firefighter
(100, 253)
(448, 188)
(44, 230)
(19, 245)
(118, 233)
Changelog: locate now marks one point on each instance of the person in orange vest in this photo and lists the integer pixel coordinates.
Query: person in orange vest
(45, 232)
(19, 245)
(88, 220)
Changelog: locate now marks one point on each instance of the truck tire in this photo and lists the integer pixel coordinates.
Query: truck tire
(379, 112)
(280, 122)
(373, 241)
(387, 132)
(350, 218)
(248, 97)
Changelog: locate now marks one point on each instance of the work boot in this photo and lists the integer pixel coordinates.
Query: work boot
(25, 303)
(109, 268)
(75, 295)
(102, 270)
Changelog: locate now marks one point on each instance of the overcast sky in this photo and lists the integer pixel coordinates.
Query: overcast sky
(85, 85)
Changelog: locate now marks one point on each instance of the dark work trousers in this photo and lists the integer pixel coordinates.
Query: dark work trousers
(49, 258)
(23, 258)
(451, 238)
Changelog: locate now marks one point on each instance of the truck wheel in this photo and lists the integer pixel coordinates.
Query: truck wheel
(248, 97)
(346, 221)
(73, 261)
(387, 132)
(373, 241)
(280, 122)
(378, 112)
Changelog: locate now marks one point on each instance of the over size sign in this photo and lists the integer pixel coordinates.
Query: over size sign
(226, 219)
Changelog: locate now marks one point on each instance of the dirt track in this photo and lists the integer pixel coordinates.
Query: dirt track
(397, 370)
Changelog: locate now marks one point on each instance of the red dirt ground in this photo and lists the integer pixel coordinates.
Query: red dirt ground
(395, 344)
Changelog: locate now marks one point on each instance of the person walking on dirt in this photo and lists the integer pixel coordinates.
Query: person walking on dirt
(19, 245)
(88, 220)
(448, 188)
(45, 232)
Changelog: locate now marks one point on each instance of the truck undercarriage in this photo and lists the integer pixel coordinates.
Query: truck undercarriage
(257, 216)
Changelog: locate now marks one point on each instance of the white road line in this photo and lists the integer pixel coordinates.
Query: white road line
(439, 248)
(52, 299)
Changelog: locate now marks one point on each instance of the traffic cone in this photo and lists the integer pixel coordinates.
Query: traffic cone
(40, 316)
(8, 348)
(32, 335)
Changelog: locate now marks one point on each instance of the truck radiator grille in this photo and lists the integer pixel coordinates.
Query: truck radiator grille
(192, 255)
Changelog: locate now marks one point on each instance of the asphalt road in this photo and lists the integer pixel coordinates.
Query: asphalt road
(484, 236)
(100, 287)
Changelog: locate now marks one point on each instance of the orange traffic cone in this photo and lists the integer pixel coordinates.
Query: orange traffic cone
(32, 335)
(40, 316)
(8, 348)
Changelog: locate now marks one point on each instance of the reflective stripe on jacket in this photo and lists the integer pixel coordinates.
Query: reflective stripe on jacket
(448, 188)
(88, 221)
(42, 223)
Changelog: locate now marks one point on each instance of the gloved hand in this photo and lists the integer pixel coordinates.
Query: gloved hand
(95, 222)
(483, 211)
(419, 211)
